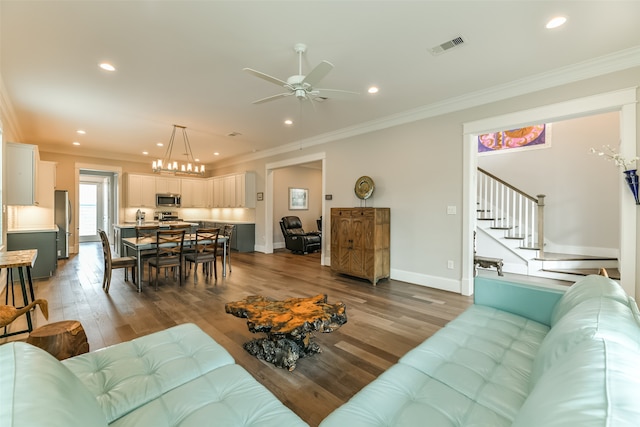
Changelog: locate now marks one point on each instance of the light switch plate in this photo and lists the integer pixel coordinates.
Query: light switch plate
(451, 210)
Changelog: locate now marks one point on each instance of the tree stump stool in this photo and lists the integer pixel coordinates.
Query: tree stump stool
(61, 339)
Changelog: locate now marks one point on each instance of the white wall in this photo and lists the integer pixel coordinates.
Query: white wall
(296, 177)
(582, 213)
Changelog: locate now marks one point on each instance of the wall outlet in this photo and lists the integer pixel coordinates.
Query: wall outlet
(450, 264)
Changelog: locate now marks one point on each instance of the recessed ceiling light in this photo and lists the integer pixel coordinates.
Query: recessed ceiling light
(196, 160)
(145, 152)
(216, 154)
(373, 89)
(556, 22)
(288, 122)
(76, 143)
(107, 67)
(159, 144)
(80, 132)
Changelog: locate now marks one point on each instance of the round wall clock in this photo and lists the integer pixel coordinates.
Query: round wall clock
(364, 187)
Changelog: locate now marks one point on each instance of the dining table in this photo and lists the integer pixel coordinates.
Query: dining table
(143, 244)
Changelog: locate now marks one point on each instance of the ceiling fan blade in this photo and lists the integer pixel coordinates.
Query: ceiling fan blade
(272, 98)
(266, 77)
(334, 93)
(318, 73)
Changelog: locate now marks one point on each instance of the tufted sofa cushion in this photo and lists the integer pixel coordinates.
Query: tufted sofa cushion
(227, 396)
(128, 375)
(37, 390)
(474, 371)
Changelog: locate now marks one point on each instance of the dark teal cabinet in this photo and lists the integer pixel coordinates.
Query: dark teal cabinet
(45, 242)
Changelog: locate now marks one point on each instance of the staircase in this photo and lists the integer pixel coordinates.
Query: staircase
(510, 225)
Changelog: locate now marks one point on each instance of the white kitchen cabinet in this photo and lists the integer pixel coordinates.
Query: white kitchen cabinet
(141, 191)
(46, 184)
(218, 192)
(229, 191)
(209, 186)
(21, 174)
(194, 193)
(234, 191)
(168, 185)
(246, 190)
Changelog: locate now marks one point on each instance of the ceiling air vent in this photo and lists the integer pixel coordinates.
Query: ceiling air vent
(437, 50)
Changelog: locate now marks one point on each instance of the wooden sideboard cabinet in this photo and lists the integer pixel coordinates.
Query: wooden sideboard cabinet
(360, 242)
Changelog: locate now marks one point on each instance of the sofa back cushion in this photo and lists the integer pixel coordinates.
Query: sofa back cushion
(598, 318)
(589, 287)
(37, 390)
(596, 387)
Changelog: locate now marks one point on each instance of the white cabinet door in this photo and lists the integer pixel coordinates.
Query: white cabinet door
(167, 185)
(21, 174)
(229, 192)
(218, 192)
(210, 197)
(246, 190)
(141, 191)
(46, 185)
(193, 193)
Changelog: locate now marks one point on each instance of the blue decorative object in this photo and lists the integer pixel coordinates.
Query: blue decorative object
(631, 177)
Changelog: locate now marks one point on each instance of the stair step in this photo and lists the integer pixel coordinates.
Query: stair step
(551, 256)
(515, 236)
(486, 219)
(497, 227)
(613, 273)
(531, 247)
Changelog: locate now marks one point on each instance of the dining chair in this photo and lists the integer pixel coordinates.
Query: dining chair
(187, 247)
(143, 231)
(111, 263)
(169, 245)
(205, 252)
(227, 231)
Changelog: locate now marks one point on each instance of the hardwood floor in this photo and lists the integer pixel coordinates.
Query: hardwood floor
(384, 322)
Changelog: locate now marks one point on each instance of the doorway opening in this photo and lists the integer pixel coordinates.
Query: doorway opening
(623, 101)
(271, 219)
(98, 190)
(93, 213)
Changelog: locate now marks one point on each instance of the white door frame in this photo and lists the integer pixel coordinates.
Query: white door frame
(624, 101)
(268, 197)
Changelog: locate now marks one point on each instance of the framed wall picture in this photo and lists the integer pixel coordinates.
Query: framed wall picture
(298, 199)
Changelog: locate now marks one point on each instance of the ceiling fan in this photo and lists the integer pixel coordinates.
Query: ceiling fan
(300, 85)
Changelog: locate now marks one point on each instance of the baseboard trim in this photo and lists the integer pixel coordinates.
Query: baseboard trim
(426, 280)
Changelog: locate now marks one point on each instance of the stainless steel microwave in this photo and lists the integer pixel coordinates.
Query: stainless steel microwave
(168, 200)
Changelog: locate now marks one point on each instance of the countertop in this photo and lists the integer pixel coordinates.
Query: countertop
(194, 222)
(33, 230)
(160, 223)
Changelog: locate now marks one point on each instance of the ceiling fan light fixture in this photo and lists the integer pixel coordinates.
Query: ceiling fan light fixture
(167, 165)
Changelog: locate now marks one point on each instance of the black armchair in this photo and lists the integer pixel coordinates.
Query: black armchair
(296, 239)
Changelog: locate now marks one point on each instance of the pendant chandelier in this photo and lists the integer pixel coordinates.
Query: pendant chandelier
(168, 165)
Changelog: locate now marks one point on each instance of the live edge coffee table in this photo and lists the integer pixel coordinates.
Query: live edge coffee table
(288, 325)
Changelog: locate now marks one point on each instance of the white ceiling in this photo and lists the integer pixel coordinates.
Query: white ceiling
(180, 62)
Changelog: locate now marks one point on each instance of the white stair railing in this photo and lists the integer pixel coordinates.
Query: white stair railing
(519, 214)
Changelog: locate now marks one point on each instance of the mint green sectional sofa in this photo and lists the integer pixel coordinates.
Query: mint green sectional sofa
(179, 376)
(521, 356)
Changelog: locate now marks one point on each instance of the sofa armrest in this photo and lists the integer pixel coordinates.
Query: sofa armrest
(534, 302)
